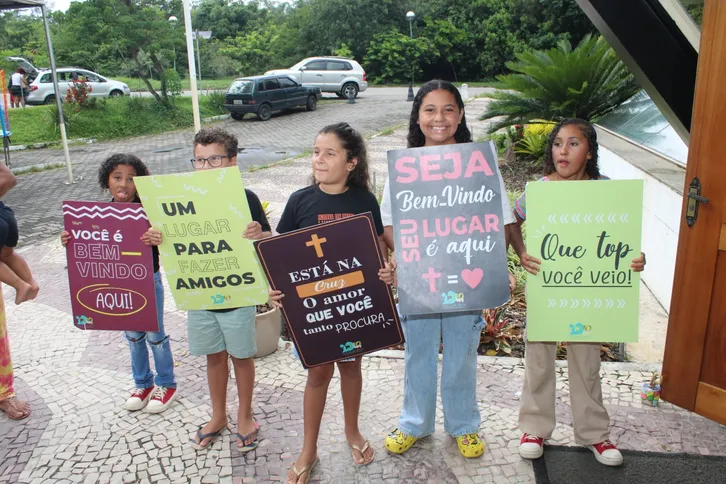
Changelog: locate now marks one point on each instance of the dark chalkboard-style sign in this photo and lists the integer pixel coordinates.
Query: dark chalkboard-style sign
(335, 304)
(449, 229)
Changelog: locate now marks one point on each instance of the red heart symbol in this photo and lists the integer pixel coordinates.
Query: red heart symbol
(472, 278)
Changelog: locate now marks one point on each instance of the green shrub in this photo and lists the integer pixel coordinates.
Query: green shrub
(586, 82)
(214, 102)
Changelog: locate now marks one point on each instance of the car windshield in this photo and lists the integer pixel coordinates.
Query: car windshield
(242, 86)
(297, 66)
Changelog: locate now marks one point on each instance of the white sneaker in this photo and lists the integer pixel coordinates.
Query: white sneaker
(161, 399)
(531, 446)
(606, 453)
(138, 399)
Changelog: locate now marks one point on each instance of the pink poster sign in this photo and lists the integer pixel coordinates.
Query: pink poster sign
(110, 270)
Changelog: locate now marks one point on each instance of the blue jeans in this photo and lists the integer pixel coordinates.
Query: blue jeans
(160, 348)
(423, 334)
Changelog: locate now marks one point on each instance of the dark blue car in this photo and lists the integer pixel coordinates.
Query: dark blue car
(262, 95)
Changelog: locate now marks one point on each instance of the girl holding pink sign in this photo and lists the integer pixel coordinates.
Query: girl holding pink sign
(437, 119)
(153, 394)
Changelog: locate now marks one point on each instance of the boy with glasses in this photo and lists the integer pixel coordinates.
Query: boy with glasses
(220, 333)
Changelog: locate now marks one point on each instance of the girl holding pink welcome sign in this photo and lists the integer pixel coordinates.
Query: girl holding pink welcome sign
(437, 119)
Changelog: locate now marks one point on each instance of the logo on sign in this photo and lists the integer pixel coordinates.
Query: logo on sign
(350, 346)
(83, 321)
(578, 329)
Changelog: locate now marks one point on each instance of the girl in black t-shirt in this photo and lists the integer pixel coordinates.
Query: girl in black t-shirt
(340, 188)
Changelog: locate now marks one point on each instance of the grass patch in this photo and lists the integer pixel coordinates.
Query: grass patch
(38, 169)
(110, 119)
(137, 85)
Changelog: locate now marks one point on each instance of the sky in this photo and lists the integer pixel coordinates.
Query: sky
(61, 5)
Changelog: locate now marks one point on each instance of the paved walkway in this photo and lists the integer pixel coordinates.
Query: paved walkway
(77, 381)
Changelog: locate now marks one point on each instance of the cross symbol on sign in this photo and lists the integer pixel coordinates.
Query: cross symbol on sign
(317, 243)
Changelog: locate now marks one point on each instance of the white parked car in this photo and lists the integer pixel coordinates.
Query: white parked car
(41, 86)
(42, 92)
(345, 77)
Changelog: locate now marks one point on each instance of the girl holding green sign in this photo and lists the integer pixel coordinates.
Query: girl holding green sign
(571, 155)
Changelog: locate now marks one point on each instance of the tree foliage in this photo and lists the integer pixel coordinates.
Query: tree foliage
(585, 82)
(452, 39)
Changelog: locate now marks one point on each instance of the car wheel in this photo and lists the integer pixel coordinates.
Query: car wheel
(265, 112)
(350, 89)
(237, 116)
(312, 103)
(50, 99)
(116, 93)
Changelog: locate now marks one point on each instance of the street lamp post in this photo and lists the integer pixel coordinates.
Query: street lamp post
(410, 16)
(173, 20)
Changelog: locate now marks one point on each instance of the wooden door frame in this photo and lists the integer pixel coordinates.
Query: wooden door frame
(698, 246)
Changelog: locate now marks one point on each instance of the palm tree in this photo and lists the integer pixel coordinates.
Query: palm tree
(586, 82)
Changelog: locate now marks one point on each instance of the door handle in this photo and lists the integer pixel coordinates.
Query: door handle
(319, 75)
(694, 198)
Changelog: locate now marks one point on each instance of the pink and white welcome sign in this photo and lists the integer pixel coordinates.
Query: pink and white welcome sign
(110, 271)
(449, 230)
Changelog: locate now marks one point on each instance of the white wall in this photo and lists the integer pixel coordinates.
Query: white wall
(661, 223)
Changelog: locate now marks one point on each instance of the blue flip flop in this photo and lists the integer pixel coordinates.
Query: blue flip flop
(253, 435)
(201, 437)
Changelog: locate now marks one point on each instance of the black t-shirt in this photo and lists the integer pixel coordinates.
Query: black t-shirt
(258, 215)
(311, 206)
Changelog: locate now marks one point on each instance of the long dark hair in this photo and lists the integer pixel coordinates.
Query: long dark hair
(416, 137)
(355, 147)
(588, 131)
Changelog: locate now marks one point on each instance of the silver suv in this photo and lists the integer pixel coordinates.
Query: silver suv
(345, 77)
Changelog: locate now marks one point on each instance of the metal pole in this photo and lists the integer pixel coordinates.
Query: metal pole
(58, 100)
(410, 83)
(174, 47)
(192, 67)
(199, 63)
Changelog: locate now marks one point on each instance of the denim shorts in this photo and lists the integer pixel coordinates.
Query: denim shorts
(233, 331)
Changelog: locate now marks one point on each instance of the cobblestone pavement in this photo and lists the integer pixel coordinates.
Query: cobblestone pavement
(77, 381)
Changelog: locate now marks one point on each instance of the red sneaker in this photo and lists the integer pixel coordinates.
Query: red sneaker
(138, 399)
(161, 399)
(531, 446)
(606, 453)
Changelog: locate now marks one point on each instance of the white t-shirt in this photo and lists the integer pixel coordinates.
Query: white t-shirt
(387, 212)
(16, 79)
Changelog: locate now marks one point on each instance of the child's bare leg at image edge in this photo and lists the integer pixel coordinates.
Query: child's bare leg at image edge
(26, 287)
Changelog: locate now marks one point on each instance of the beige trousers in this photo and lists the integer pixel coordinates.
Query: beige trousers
(537, 405)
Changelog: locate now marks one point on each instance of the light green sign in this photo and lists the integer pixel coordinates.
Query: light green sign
(202, 216)
(586, 234)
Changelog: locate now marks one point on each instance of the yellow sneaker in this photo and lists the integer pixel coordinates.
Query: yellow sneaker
(469, 445)
(397, 442)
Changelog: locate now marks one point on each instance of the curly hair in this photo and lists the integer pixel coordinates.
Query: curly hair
(416, 137)
(355, 147)
(210, 136)
(588, 131)
(110, 164)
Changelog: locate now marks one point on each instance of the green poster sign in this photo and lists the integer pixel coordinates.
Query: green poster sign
(586, 234)
(202, 216)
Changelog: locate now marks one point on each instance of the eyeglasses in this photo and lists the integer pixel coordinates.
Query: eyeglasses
(214, 161)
